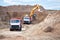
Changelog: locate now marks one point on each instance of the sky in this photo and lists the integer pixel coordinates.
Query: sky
(47, 4)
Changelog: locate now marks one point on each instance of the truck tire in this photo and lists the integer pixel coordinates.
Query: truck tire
(11, 29)
(20, 28)
(30, 22)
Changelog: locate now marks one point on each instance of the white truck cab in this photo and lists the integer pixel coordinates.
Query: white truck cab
(27, 20)
(15, 24)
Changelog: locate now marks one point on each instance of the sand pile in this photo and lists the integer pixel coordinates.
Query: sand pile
(50, 20)
(37, 32)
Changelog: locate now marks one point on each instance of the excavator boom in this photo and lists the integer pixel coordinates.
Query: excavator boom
(32, 12)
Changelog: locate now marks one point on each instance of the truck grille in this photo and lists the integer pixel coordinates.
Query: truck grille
(15, 26)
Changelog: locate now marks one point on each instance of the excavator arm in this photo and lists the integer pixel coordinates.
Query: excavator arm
(32, 12)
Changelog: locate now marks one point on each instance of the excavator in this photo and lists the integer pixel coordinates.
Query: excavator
(29, 18)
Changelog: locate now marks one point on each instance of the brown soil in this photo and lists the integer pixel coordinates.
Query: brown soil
(34, 31)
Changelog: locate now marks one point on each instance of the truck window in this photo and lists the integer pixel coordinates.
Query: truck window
(14, 21)
(26, 18)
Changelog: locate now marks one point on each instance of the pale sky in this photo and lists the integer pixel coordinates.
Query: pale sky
(47, 4)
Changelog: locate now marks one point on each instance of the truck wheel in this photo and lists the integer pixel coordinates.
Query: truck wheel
(20, 28)
(11, 29)
(30, 22)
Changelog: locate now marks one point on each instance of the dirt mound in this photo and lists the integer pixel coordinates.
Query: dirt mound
(50, 20)
(48, 29)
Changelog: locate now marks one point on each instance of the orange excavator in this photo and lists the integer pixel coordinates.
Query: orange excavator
(32, 12)
(28, 18)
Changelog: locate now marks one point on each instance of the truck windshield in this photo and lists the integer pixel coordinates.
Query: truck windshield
(26, 18)
(14, 21)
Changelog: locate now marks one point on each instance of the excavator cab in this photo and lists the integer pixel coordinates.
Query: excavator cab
(34, 16)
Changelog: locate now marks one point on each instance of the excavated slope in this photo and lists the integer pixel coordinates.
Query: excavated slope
(36, 31)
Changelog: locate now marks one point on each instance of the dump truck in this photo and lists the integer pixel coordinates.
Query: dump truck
(15, 24)
(29, 18)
